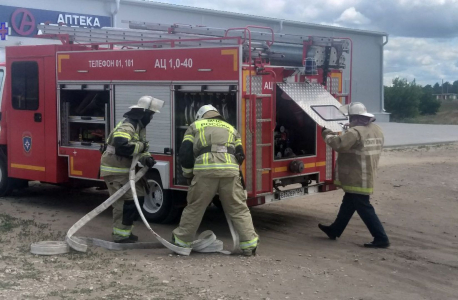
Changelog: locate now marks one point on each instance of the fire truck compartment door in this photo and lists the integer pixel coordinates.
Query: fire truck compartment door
(158, 132)
(316, 102)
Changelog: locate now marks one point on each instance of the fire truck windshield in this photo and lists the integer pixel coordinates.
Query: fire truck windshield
(329, 112)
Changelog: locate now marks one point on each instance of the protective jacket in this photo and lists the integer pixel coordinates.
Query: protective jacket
(359, 151)
(127, 139)
(209, 147)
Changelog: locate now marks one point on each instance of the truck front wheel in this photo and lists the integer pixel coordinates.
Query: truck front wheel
(159, 206)
(6, 183)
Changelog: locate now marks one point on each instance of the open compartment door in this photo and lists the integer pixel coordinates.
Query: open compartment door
(316, 102)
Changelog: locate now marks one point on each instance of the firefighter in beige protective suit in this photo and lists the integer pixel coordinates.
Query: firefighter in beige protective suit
(210, 156)
(127, 140)
(359, 151)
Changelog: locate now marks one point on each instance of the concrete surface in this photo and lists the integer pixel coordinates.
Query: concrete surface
(400, 134)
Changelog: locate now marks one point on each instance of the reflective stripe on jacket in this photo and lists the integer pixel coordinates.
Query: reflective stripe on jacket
(218, 134)
(359, 151)
(126, 140)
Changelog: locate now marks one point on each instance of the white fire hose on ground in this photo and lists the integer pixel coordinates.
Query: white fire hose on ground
(206, 241)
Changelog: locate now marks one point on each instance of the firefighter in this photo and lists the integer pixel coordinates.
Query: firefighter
(127, 140)
(210, 156)
(359, 150)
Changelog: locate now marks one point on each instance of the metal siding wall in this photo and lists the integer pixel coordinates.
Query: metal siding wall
(158, 132)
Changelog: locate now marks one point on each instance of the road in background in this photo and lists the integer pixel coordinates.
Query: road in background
(401, 134)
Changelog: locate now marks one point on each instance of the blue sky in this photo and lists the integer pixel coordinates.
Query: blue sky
(423, 43)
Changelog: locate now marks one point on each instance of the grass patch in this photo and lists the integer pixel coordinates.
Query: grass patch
(447, 115)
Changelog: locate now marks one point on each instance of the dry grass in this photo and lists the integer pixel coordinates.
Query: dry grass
(447, 115)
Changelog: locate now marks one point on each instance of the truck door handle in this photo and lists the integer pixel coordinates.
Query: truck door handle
(37, 117)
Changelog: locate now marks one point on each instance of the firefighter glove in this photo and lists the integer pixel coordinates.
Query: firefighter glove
(145, 146)
(239, 157)
(148, 161)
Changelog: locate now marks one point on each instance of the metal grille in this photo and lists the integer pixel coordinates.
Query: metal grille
(307, 95)
(257, 85)
(328, 84)
(249, 149)
(258, 142)
(328, 162)
(334, 85)
(158, 132)
(64, 129)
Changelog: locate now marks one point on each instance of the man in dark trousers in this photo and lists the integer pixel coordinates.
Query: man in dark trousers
(359, 151)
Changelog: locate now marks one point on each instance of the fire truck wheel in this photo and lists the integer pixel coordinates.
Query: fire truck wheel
(6, 183)
(158, 206)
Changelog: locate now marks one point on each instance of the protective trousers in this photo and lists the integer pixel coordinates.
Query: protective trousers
(232, 196)
(361, 204)
(124, 210)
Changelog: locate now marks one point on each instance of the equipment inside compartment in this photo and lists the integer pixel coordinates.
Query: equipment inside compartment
(84, 117)
(295, 131)
(186, 106)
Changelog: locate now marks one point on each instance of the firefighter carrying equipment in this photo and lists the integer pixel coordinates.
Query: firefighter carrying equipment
(355, 109)
(207, 240)
(359, 151)
(208, 151)
(148, 103)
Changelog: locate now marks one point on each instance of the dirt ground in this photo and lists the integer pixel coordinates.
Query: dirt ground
(416, 198)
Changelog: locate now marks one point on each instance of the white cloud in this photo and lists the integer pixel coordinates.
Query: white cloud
(352, 16)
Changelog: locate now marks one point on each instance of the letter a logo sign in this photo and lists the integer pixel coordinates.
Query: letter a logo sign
(23, 22)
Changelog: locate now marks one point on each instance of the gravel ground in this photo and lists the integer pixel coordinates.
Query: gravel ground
(416, 199)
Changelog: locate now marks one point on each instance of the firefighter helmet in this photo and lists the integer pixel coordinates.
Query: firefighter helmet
(204, 109)
(355, 109)
(149, 103)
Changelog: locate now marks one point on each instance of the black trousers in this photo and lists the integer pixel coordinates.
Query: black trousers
(361, 204)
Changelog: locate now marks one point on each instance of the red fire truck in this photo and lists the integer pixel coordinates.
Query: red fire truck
(61, 101)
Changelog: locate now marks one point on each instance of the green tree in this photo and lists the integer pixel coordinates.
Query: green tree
(437, 88)
(429, 105)
(402, 99)
(455, 87)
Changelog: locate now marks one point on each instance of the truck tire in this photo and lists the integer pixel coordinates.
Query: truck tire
(160, 207)
(6, 183)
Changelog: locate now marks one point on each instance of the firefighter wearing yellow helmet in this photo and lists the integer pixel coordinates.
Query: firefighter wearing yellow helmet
(359, 152)
(210, 155)
(127, 140)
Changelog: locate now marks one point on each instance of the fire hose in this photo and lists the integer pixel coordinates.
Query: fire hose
(206, 242)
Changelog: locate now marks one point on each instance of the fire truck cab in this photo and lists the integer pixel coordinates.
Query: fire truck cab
(61, 101)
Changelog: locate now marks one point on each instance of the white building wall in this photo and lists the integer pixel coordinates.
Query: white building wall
(367, 64)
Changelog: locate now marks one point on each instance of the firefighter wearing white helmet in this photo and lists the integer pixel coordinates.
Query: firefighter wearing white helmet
(210, 156)
(359, 151)
(127, 139)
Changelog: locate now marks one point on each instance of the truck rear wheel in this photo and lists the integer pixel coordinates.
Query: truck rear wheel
(159, 206)
(6, 183)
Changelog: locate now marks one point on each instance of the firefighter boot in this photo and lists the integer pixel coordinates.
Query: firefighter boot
(328, 231)
(133, 237)
(249, 252)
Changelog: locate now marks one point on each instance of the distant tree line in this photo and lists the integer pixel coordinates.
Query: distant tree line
(406, 99)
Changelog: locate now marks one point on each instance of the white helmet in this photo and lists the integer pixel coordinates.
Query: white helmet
(149, 103)
(203, 110)
(355, 109)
